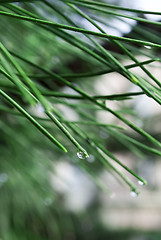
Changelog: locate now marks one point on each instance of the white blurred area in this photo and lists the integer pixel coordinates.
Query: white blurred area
(78, 188)
(147, 5)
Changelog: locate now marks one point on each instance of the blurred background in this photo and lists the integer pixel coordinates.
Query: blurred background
(46, 194)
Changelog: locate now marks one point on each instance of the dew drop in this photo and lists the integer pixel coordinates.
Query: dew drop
(81, 155)
(133, 193)
(148, 47)
(141, 183)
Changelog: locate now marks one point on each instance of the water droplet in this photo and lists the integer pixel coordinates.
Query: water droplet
(81, 155)
(141, 183)
(133, 193)
(148, 47)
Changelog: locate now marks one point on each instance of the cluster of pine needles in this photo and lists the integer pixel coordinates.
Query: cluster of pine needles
(38, 40)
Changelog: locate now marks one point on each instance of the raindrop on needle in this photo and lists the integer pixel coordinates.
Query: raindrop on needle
(81, 155)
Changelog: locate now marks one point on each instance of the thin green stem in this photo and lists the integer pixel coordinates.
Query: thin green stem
(73, 40)
(81, 30)
(90, 98)
(107, 5)
(105, 161)
(96, 73)
(32, 120)
(120, 136)
(12, 76)
(102, 10)
(115, 61)
(42, 100)
(121, 164)
(66, 132)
